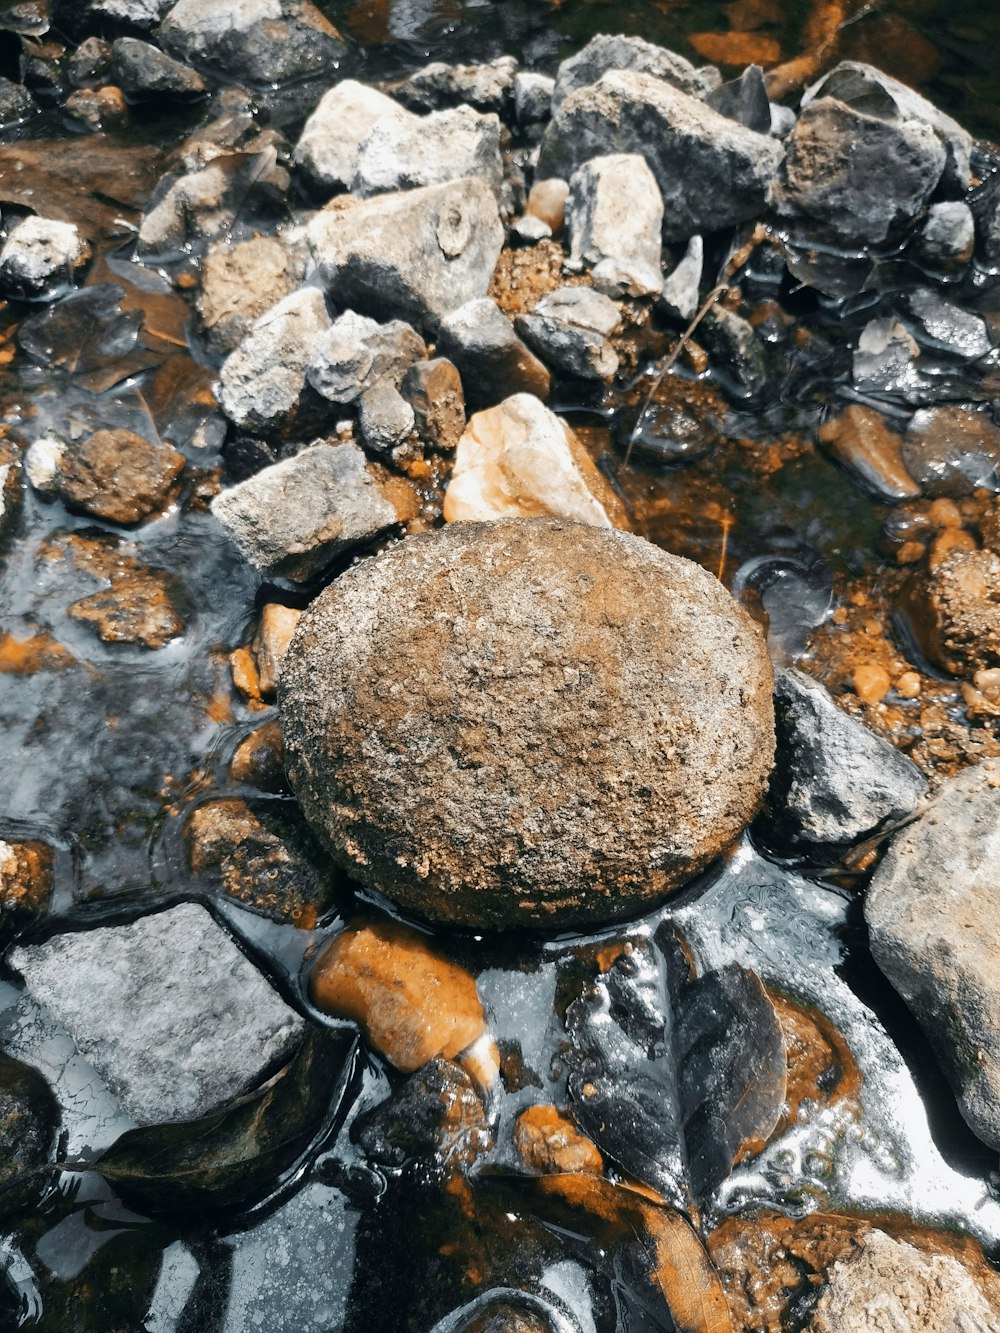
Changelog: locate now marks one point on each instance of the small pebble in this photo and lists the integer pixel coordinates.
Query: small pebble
(945, 513)
(871, 682)
(910, 552)
(245, 677)
(987, 679)
(547, 200)
(908, 685)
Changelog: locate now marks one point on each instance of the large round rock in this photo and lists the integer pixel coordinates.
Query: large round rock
(526, 722)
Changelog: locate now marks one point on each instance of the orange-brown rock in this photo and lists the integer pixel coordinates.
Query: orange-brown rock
(259, 760)
(119, 476)
(956, 613)
(137, 608)
(550, 1143)
(25, 877)
(861, 439)
(274, 634)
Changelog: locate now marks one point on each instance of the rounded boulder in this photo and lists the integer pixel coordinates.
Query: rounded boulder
(528, 722)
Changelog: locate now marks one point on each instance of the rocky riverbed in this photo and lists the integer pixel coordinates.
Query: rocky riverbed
(500, 669)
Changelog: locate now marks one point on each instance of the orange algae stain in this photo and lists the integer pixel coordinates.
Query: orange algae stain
(35, 652)
(218, 709)
(549, 1142)
(736, 48)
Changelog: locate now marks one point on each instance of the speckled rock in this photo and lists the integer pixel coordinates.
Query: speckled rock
(526, 722)
(934, 922)
(40, 255)
(957, 612)
(119, 476)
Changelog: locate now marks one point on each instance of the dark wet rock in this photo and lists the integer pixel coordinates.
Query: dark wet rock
(415, 256)
(138, 608)
(947, 238)
(532, 98)
(569, 330)
(262, 384)
(385, 418)
(434, 391)
(97, 108)
(169, 1012)
(259, 41)
(29, 1116)
(293, 518)
(861, 439)
(16, 103)
(952, 450)
(735, 348)
(437, 1116)
(680, 422)
(945, 327)
(239, 283)
(142, 70)
(604, 53)
(487, 87)
(614, 217)
(877, 94)
(885, 358)
(712, 172)
(679, 295)
(850, 177)
(745, 99)
(955, 615)
(834, 782)
(933, 922)
(356, 352)
(41, 256)
(118, 476)
(441, 799)
(259, 759)
(90, 62)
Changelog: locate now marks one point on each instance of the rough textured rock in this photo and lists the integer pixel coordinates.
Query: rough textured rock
(550, 1143)
(205, 203)
(142, 70)
(169, 1012)
(385, 418)
(605, 52)
(438, 1115)
(947, 239)
(294, 517)
(137, 608)
(526, 722)
(259, 41)
(403, 152)
(327, 150)
(118, 476)
(835, 782)
(491, 359)
(434, 391)
(356, 352)
(679, 296)
(614, 215)
(569, 330)
(40, 256)
(532, 98)
(270, 643)
(887, 1284)
(934, 924)
(884, 359)
(97, 108)
(712, 172)
(486, 87)
(956, 614)
(16, 103)
(851, 177)
(262, 383)
(239, 283)
(140, 13)
(952, 450)
(415, 255)
(520, 460)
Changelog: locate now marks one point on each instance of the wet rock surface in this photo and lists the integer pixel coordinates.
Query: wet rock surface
(118, 476)
(491, 359)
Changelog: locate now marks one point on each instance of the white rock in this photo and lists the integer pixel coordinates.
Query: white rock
(333, 135)
(614, 214)
(40, 253)
(517, 460)
(356, 352)
(41, 463)
(681, 288)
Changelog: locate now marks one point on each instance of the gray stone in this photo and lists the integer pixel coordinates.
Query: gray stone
(735, 347)
(40, 256)
(293, 518)
(745, 99)
(680, 295)
(531, 229)
(416, 255)
(16, 103)
(204, 204)
(476, 739)
(169, 1012)
(614, 216)
(569, 330)
(385, 418)
(355, 352)
(604, 53)
(783, 120)
(486, 87)
(259, 41)
(850, 177)
(142, 70)
(327, 150)
(139, 13)
(401, 154)
(933, 917)
(239, 283)
(947, 239)
(952, 450)
(712, 172)
(491, 359)
(434, 391)
(532, 98)
(834, 782)
(945, 327)
(261, 384)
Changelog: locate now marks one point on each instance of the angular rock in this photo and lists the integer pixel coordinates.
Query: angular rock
(415, 256)
(604, 53)
(169, 1012)
(385, 418)
(569, 330)
(735, 346)
(862, 440)
(239, 283)
(745, 99)
(118, 476)
(885, 357)
(434, 391)
(139, 13)
(40, 256)
(443, 146)
(438, 1115)
(136, 609)
(486, 87)
(945, 327)
(934, 926)
(835, 782)
(712, 172)
(262, 383)
(947, 239)
(356, 352)
(97, 108)
(293, 518)
(679, 295)
(204, 204)
(532, 98)
(491, 359)
(952, 450)
(526, 722)
(327, 150)
(851, 177)
(614, 215)
(142, 70)
(258, 41)
(270, 644)
(520, 460)
(90, 62)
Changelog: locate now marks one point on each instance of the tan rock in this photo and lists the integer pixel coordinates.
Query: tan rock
(550, 1143)
(274, 634)
(239, 283)
(119, 476)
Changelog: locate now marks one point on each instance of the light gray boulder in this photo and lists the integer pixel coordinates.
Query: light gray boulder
(261, 384)
(415, 255)
(492, 360)
(347, 113)
(139, 13)
(614, 216)
(569, 330)
(604, 52)
(258, 41)
(355, 352)
(40, 256)
(933, 916)
(292, 518)
(400, 154)
(712, 171)
(174, 1018)
(487, 87)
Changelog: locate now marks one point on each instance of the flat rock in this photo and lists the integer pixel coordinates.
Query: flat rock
(945, 327)
(952, 450)
(617, 52)
(118, 476)
(491, 359)
(170, 1013)
(526, 722)
(239, 283)
(293, 518)
(835, 782)
(934, 923)
(415, 255)
(614, 216)
(569, 330)
(39, 256)
(259, 41)
(712, 172)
